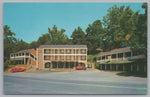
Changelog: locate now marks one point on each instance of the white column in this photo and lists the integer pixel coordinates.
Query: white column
(105, 67)
(123, 55)
(105, 58)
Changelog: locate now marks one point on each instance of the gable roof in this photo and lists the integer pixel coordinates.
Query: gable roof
(63, 46)
(22, 51)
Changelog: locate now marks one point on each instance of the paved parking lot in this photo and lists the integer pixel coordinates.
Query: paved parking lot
(73, 82)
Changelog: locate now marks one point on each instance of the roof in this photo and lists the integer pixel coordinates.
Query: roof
(21, 51)
(63, 46)
(115, 51)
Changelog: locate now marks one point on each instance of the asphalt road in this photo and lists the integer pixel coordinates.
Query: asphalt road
(73, 82)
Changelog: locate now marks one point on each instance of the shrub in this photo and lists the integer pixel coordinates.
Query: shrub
(6, 64)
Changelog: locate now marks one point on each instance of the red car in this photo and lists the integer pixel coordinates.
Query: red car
(80, 68)
(18, 69)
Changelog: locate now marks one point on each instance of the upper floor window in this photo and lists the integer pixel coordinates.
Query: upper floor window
(46, 57)
(83, 58)
(61, 51)
(46, 51)
(68, 57)
(27, 54)
(68, 51)
(83, 51)
(11, 55)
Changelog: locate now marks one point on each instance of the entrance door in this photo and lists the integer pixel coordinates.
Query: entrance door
(89, 65)
(47, 65)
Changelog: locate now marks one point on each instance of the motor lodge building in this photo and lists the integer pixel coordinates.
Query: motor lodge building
(61, 56)
(52, 57)
(27, 56)
(122, 59)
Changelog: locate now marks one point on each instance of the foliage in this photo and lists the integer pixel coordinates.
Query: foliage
(6, 64)
(119, 22)
(94, 36)
(9, 42)
(92, 58)
(138, 40)
(57, 36)
(78, 36)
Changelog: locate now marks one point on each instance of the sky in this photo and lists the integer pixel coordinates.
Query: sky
(30, 20)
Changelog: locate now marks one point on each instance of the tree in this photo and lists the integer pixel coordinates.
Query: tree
(95, 36)
(119, 22)
(57, 36)
(78, 36)
(9, 42)
(21, 45)
(138, 41)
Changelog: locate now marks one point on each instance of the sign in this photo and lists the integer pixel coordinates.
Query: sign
(127, 36)
(109, 57)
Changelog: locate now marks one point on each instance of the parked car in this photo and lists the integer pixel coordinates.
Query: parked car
(80, 68)
(18, 69)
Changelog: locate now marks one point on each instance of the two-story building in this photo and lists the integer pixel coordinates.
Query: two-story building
(61, 56)
(27, 56)
(122, 59)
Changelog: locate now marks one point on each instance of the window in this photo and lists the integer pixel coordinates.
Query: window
(46, 51)
(128, 54)
(61, 51)
(68, 57)
(83, 51)
(27, 54)
(72, 58)
(83, 58)
(68, 51)
(78, 57)
(19, 54)
(120, 55)
(22, 54)
(11, 55)
(62, 57)
(103, 57)
(47, 65)
(46, 57)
